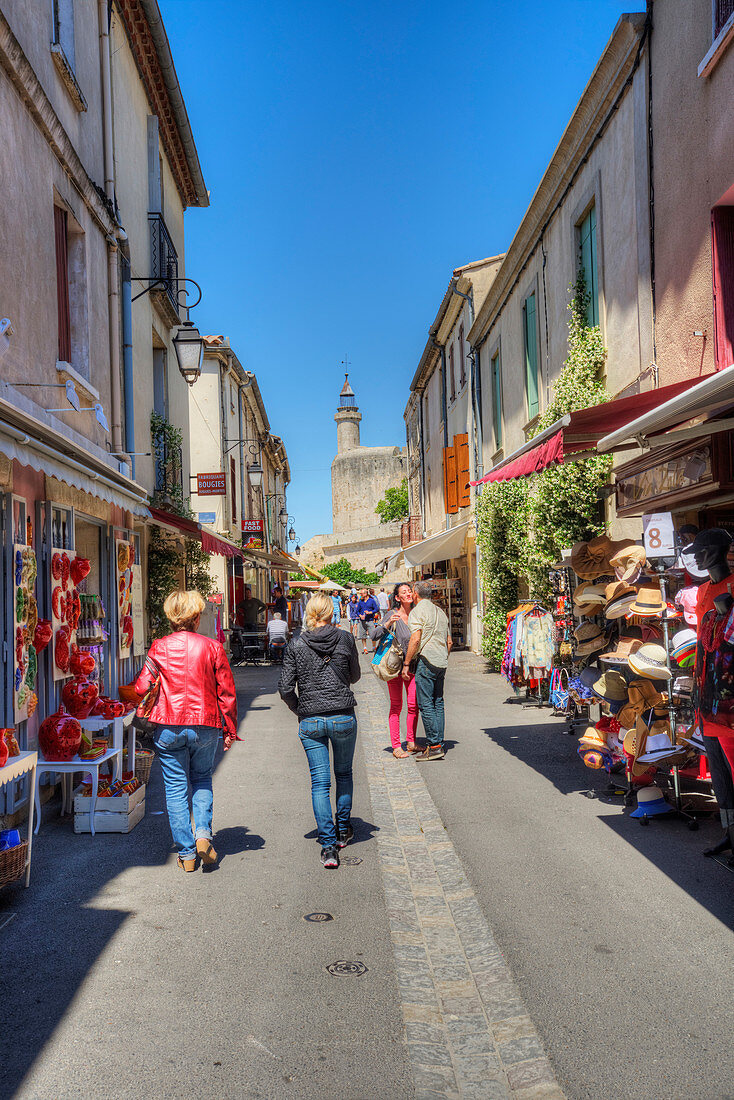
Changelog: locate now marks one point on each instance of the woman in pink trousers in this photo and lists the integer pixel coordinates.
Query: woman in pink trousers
(396, 619)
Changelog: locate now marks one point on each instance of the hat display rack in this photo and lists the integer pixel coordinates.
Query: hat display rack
(621, 601)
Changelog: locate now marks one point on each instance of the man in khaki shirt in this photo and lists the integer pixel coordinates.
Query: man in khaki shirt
(430, 639)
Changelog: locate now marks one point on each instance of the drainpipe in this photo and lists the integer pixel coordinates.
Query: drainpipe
(127, 359)
(113, 292)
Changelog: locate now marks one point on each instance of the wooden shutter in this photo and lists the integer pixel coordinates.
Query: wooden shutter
(452, 372)
(587, 234)
(449, 481)
(463, 490)
(531, 357)
(62, 284)
(462, 358)
(722, 246)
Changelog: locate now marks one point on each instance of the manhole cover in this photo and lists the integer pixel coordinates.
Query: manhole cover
(351, 861)
(343, 968)
(316, 918)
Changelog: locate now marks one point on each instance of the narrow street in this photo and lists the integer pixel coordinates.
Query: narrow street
(491, 899)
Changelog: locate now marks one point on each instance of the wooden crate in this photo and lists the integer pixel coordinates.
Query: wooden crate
(120, 804)
(107, 822)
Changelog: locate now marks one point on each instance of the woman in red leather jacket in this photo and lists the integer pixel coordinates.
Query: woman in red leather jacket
(196, 700)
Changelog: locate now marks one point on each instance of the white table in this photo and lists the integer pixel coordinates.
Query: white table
(77, 764)
(16, 767)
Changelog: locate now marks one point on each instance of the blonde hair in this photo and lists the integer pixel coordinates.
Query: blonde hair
(319, 610)
(182, 609)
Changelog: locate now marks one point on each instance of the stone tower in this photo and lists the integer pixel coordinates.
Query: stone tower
(347, 419)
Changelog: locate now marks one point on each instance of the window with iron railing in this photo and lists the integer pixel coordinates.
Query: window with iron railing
(722, 10)
(168, 453)
(163, 259)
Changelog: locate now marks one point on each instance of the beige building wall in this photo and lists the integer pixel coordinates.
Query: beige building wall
(610, 173)
(693, 170)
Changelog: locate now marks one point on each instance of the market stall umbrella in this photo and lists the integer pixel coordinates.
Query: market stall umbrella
(332, 586)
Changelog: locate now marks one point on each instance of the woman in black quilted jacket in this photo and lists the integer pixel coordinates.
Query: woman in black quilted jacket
(319, 668)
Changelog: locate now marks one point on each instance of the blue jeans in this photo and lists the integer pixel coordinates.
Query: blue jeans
(187, 753)
(429, 693)
(315, 734)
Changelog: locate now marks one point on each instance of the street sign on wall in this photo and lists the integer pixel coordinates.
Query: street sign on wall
(207, 517)
(210, 485)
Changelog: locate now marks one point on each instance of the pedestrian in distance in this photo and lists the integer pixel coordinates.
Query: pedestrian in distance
(337, 605)
(430, 642)
(368, 610)
(396, 620)
(249, 608)
(195, 701)
(280, 603)
(383, 600)
(353, 613)
(319, 668)
(277, 635)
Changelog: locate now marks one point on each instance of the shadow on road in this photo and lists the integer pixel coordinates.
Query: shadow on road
(363, 830)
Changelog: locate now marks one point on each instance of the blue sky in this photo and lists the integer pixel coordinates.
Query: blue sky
(356, 154)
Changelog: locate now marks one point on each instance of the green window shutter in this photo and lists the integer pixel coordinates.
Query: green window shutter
(497, 401)
(587, 233)
(531, 357)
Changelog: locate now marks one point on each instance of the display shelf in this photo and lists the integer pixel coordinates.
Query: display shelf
(16, 767)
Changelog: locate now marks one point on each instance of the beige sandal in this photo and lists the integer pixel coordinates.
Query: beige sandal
(399, 753)
(412, 747)
(205, 851)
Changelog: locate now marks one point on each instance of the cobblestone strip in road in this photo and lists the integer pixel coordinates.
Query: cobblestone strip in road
(467, 1030)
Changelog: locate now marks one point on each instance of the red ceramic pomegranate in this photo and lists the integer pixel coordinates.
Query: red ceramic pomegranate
(42, 634)
(79, 696)
(4, 752)
(81, 664)
(61, 650)
(60, 736)
(80, 569)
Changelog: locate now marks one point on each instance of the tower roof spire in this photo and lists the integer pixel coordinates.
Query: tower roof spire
(347, 390)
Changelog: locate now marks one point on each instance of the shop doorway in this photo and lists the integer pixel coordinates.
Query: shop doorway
(93, 635)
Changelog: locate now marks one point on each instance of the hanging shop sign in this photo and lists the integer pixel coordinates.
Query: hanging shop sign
(136, 595)
(252, 534)
(664, 478)
(125, 558)
(25, 621)
(211, 485)
(658, 535)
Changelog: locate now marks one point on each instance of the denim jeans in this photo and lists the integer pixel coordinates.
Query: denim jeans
(187, 753)
(429, 693)
(315, 734)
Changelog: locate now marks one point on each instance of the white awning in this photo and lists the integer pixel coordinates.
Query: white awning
(709, 397)
(47, 460)
(435, 548)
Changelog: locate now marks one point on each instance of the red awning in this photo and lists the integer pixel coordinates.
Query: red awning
(578, 432)
(210, 544)
(179, 523)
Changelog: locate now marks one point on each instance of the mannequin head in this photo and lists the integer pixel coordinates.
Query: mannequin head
(710, 548)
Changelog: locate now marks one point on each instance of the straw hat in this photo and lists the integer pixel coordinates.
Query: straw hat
(635, 738)
(593, 738)
(694, 738)
(626, 644)
(621, 606)
(641, 696)
(615, 589)
(650, 802)
(649, 603)
(591, 559)
(588, 596)
(650, 661)
(589, 638)
(684, 648)
(596, 758)
(627, 560)
(611, 686)
(659, 749)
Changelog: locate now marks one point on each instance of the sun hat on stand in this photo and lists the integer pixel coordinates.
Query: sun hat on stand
(642, 695)
(610, 686)
(649, 603)
(694, 738)
(590, 560)
(650, 661)
(589, 598)
(684, 647)
(650, 802)
(627, 560)
(626, 643)
(659, 749)
(589, 639)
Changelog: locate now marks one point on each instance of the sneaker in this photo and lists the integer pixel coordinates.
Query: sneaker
(329, 857)
(432, 752)
(342, 839)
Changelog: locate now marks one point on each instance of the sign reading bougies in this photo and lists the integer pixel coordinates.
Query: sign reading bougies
(210, 485)
(252, 534)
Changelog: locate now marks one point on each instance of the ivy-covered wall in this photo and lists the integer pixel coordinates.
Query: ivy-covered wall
(523, 525)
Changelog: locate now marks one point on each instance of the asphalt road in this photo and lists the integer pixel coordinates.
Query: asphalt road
(121, 976)
(619, 937)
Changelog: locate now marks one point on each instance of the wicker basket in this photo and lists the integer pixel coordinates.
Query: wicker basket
(12, 863)
(143, 763)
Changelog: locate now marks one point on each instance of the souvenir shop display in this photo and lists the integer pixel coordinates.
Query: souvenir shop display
(528, 657)
(65, 609)
(125, 559)
(450, 597)
(25, 623)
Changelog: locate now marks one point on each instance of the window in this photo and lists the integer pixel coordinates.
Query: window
(722, 244)
(160, 382)
(62, 527)
(21, 530)
(452, 374)
(497, 400)
(63, 29)
(233, 489)
(450, 489)
(530, 326)
(722, 10)
(587, 261)
(462, 362)
(155, 205)
(63, 312)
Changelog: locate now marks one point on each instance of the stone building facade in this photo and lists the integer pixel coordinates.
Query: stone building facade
(359, 477)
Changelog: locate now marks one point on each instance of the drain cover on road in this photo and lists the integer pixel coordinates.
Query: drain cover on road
(351, 861)
(316, 918)
(343, 968)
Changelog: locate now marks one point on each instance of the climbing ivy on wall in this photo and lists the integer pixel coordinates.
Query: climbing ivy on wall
(165, 565)
(523, 525)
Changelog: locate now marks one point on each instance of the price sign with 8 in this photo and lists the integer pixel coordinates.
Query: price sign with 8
(659, 535)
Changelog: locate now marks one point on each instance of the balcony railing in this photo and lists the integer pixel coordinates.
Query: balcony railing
(168, 452)
(410, 530)
(164, 267)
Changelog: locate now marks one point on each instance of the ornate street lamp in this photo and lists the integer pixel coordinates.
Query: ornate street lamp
(188, 344)
(255, 474)
(297, 551)
(291, 535)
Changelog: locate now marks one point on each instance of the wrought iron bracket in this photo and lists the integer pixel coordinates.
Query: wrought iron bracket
(168, 285)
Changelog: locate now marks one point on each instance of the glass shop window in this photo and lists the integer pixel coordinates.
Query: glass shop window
(62, 528)
(20, 521)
